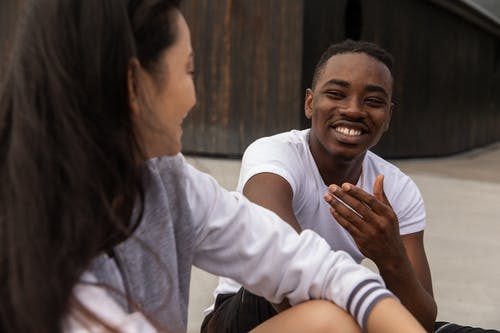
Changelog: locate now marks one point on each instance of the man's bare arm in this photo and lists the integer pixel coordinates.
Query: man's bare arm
(272, 192)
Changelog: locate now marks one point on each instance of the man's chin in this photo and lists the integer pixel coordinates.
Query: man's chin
(348, 154)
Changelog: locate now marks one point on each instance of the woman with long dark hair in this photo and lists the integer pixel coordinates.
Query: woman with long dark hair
(101, 217)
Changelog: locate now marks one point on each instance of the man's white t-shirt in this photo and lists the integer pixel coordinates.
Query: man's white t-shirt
(288, 155)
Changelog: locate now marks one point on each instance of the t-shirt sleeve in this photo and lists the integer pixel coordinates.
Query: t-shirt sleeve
(267, 155)
(409, 206)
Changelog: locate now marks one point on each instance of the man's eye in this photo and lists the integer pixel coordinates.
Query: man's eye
(335, 94)
(374, 102)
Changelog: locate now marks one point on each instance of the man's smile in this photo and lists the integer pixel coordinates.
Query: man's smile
(348, 131)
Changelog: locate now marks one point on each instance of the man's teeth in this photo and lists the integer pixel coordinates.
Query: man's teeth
(348, 131)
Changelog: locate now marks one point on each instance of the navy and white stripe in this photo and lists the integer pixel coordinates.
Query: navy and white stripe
(364, 297)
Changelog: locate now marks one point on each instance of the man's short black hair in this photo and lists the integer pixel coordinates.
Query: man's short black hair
(350, 46)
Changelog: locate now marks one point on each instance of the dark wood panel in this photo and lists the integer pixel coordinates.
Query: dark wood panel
(248, 58)
(8, 13)
(447, 79)
(255, 59)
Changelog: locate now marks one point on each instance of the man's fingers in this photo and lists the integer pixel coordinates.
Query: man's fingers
(340, 209)
(356, 198)
(346, 224)
(364, 202)
(378, 189)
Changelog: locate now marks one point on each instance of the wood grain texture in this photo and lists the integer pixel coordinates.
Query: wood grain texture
(8, 17)
(447, 70)
(255, 58)
(248, 56)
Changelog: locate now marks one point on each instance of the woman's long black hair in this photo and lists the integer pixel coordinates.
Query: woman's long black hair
(69, 157)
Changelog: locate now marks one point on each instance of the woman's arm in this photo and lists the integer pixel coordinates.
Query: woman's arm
(243, 241)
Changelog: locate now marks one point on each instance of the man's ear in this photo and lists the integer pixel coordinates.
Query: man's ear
(308, 103)
(388, 121)
(132, 84)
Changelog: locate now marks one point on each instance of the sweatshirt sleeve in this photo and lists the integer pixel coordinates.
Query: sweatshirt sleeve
(250, 244)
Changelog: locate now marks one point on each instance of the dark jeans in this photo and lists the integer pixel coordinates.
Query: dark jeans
(237, 313)
(243, 311)
(445, 327)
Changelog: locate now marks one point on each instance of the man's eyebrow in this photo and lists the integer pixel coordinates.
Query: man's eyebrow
(374, 88)
(345, 84)
(337, 82)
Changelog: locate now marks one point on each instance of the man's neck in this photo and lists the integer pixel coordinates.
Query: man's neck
(337, 171)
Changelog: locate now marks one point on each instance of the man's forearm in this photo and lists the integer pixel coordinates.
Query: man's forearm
(400, 278)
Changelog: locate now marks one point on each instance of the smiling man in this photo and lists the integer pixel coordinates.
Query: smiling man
(350, 107)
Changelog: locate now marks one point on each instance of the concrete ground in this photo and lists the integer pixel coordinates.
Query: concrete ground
(462, 239)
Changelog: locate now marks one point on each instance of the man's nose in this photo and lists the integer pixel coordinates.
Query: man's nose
(353, 108)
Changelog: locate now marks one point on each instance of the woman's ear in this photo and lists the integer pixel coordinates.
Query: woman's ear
(132, 84)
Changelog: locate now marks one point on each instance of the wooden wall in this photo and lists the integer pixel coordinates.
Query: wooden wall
(447, 72)
(248, 56)
(255, 58)
(8, 10)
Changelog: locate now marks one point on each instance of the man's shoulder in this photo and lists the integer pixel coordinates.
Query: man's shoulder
(377, 162)
(289, 137)
(284, 154)
(293, 142)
